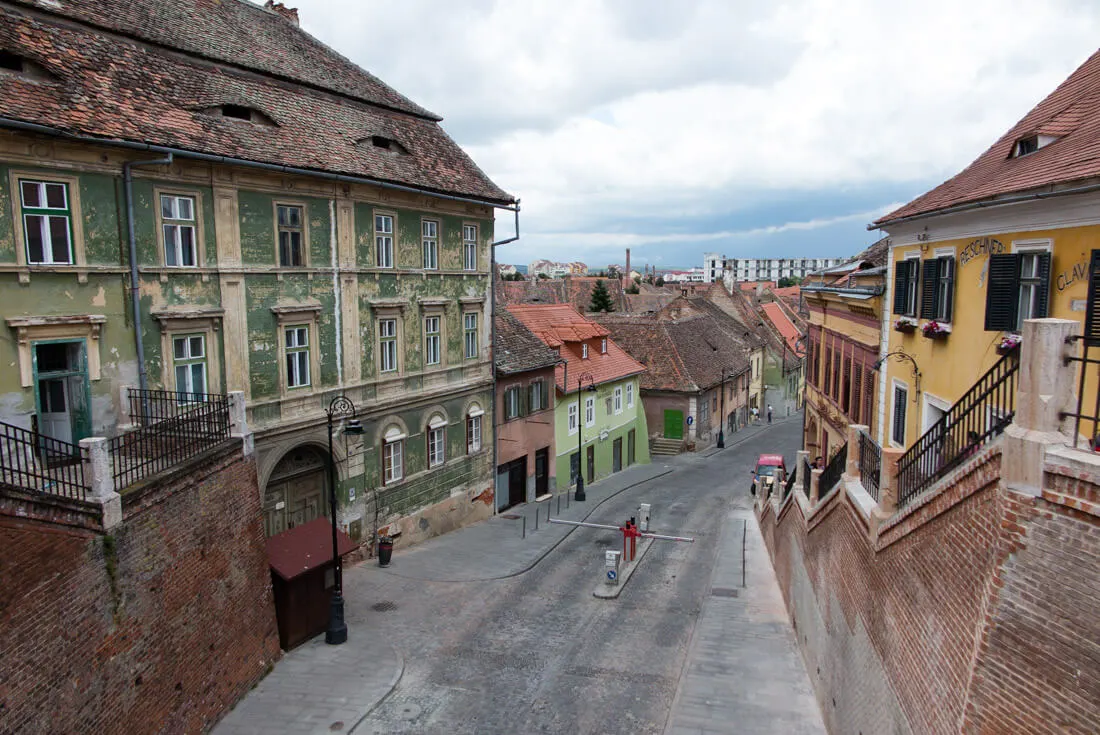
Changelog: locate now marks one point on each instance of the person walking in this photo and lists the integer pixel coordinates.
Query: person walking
(755, 415)
(769, 413)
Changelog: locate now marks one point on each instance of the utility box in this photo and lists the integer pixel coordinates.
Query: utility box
(611, 566)
(643, 517)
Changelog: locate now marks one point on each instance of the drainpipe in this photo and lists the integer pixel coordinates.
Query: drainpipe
(493, 347)
(135, 288)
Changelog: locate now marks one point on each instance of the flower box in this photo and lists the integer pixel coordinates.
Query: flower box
(935, 330)
(905, 325)
(1009, 344)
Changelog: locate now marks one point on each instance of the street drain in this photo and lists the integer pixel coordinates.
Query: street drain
(510, 517)
(723, 592)
(384, 606)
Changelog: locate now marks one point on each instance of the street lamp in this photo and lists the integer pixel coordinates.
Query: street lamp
(579, 495)
(337, 631)
(722, 424)
(901, 356)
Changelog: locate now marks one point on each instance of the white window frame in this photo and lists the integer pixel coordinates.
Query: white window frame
(618, 395)
(603, 346)
(47, 214)
(437, 446)
(299, 348)
(630, 395)
(388, 354)
(433, 340)
(473, 433)
(429, 238)
(300, 229)
(894, 386)
(174, 222)
(393, 455)
(584, 350)
(470, 346)
(1030, 247)
(384, 229)
(912, 295)
(589, 411)
(469, 247)
(536, 402)
(572, 419)
(512, 402)
(188, 361)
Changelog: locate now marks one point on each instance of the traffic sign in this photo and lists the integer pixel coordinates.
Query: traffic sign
(612, 574)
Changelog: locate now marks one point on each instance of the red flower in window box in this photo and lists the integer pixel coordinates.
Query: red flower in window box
(935, 330)
(1009, 343)
(905, 324)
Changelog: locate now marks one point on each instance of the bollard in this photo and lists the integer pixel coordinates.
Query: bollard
(559, 503)
(548, 512)
(524, 527)
(536, 518)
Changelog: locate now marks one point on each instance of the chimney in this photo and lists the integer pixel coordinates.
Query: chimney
(290, 14)
(627, 274)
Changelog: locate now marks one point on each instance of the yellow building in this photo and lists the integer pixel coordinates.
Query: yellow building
(1014, 236)
(845, 313)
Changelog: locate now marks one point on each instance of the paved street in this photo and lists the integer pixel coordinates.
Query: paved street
(487, 632)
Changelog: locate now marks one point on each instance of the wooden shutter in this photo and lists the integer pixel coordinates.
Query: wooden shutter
(868, 397)
(929, 285)
(828, 370)
(854, 401)
(1002, 292)
(949, 307)
(1092, 317)
(900, 398)
(901, 285)
(1044, 285)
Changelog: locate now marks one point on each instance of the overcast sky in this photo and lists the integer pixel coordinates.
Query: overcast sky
(753, 129)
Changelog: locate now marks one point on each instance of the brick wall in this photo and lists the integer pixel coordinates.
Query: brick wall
(972, 611)
(159, 626)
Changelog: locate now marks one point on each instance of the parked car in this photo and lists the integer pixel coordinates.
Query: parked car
(770, 468)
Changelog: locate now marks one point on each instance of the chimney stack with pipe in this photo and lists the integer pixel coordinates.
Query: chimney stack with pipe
(626, 276)
(290, 14)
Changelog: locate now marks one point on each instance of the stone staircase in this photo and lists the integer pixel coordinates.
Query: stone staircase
(661, 446)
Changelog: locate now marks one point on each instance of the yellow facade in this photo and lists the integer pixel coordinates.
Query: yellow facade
(950, 366)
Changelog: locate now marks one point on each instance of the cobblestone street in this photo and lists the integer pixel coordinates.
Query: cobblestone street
(519, 651)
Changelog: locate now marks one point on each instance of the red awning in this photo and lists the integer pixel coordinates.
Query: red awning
(297, 551)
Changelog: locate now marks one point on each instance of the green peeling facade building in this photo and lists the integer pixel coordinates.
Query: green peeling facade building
(300, 231)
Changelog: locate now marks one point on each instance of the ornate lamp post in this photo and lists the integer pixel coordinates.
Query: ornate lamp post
(579, 495)
(337, 631)
(722, 424)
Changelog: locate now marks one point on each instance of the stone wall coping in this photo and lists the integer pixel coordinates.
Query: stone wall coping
(861, 499)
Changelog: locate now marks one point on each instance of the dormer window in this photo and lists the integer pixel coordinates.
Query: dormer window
(603, 346)
(1030, 144)
(584, 350)
(381, 142)
(12, 63)
(240, 112)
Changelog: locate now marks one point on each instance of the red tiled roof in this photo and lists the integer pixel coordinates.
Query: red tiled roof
(751, 285)
(787, 292)
(1071, 112)
(562, 326)
(166, 64)
(778, 317)
(306, 547)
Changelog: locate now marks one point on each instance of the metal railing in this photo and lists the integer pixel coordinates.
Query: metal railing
(1082, 414)
(173, 427)
(32, 461)
(807, 477)
(980, 415)
(831, 476)
(870, 464)
(788, 485)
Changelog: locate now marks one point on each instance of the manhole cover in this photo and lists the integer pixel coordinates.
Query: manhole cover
(384, 606)
(510, 516)
(723, 592)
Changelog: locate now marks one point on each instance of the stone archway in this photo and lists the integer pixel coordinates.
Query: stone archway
(297, 491)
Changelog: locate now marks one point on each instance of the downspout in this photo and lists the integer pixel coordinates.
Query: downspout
(493, 346)
(135, 287)
(887, 308)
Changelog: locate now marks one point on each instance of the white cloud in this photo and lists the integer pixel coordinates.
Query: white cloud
(600, 113)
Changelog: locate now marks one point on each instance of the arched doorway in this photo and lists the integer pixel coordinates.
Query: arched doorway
(297, 490)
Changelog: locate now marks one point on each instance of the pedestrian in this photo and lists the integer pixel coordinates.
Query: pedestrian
(769, 413)
(755, 415)
(819, 463)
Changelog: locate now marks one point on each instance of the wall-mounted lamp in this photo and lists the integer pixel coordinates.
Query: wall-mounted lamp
(902, 356)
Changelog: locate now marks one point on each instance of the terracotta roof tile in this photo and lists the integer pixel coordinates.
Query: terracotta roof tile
(786, 327)
(517, 349)
(140, 88)
(564, 325)
(1072, 112)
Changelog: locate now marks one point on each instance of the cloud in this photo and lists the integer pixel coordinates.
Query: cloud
(643, 119)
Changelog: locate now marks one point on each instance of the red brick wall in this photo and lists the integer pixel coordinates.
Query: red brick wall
(161, 634)
(974, 611)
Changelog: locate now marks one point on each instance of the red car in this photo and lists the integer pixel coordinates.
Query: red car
(770, 468)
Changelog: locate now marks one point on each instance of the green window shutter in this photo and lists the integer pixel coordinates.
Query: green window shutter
(950, 305)
(1001, 292)
(929, 286)
(901, 285)
(1044, 285)
(1092, 318)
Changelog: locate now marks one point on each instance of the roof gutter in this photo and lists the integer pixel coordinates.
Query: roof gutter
(228, 161)
(1014, 199)
(863, 290)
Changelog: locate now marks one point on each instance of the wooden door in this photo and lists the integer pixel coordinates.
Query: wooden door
(297, 491)
(617, 455)
(542, 471)
(630, 447)
(517, 481)
(590, 458)
(674, 424)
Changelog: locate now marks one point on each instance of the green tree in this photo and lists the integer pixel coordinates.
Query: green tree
(601, 299)
(543, 277)
(660, 281)
(784, 282)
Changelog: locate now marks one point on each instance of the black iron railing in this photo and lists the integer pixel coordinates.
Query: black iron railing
(807, 477)
(870, 464)
(172, 427)
(980, 415)
(788, 485)
(1086, 415)
(831, 476)
(32, 461)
